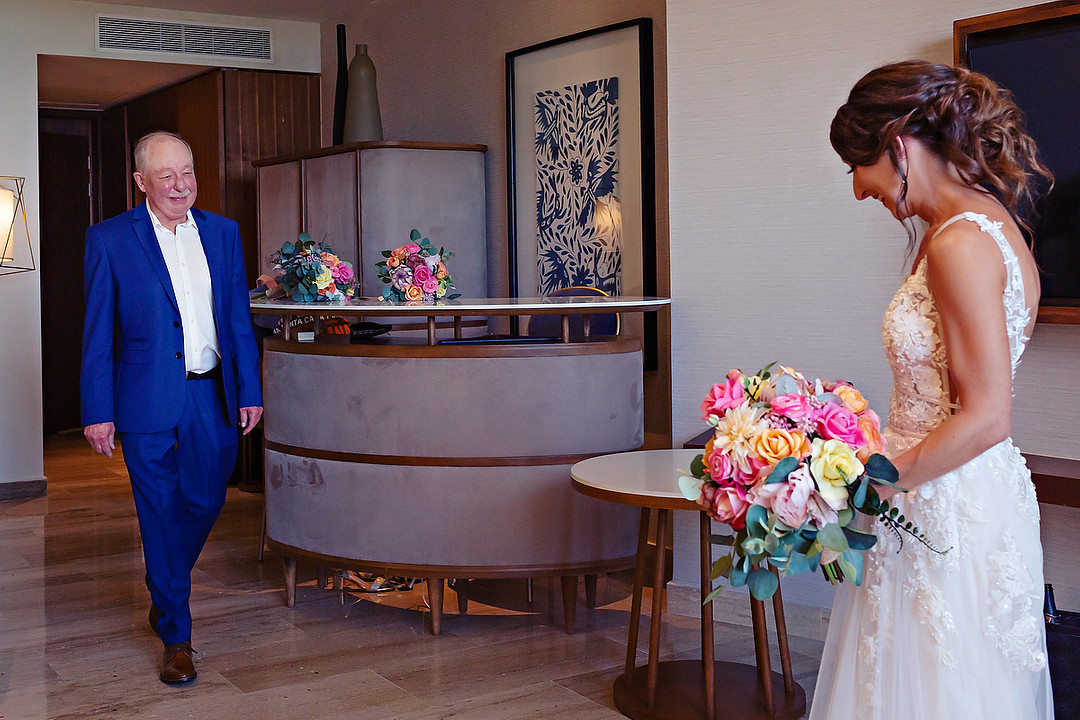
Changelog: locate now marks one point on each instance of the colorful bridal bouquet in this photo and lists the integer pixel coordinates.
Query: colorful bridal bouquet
(791, 462)
(416, 272)
(310, 272)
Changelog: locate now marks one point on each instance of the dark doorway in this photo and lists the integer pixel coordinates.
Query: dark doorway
(66, 212)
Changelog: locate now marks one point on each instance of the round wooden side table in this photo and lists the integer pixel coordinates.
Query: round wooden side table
(679, 690)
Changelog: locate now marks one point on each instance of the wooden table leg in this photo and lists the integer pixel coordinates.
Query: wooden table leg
(457, 327)
(566, 328)
(436, 586)
(289, 564)
(707, 650)
(662, 517)
(431, 330)
(761, 650)
(635, 603)
(569, 602)
(781, 638)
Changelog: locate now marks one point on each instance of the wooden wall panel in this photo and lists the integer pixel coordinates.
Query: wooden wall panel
(266, 114)
(194, 110)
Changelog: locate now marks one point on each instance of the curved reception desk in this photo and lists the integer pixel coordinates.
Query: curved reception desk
(448, 460)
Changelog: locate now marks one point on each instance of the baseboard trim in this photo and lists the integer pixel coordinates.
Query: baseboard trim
(23, 489)
(733, 606)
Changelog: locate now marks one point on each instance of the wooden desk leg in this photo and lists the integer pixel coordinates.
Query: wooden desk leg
(566, 328)
(457, 327)
(781, 639)
(590, 591)
(436, 586)
(461, 587)
(431, 330)
(635, 603)
(662, 518)
(569, 602)
(289, 564)
(707, 651)
(761, 650)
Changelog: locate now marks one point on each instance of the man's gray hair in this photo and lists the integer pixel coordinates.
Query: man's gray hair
(142, 147)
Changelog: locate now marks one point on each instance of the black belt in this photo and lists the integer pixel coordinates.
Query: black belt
(211, 374)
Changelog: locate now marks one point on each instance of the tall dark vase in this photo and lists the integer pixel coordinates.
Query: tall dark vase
(342, 89)
(362, 120)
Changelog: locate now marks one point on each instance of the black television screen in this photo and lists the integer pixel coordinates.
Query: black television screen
(1039, 62)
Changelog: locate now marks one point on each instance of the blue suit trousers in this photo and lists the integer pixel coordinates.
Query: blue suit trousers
(179, 477)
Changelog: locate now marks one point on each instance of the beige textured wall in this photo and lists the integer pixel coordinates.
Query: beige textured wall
(772, 257)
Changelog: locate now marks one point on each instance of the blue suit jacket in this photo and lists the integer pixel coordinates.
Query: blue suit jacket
(133, 370)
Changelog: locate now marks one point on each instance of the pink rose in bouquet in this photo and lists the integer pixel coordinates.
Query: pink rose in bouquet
(836, 422)
(721, 398)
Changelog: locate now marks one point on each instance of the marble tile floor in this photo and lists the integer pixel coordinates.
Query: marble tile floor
(74, 641)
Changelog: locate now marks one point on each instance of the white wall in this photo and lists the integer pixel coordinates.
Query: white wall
(59, 27)
(771, 256)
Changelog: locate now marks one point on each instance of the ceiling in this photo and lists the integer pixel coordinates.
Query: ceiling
(306, 10)
(86, 83)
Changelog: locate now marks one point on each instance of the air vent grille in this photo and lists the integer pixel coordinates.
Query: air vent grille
(120, 33)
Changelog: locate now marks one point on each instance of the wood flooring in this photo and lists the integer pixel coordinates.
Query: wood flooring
(74, 641)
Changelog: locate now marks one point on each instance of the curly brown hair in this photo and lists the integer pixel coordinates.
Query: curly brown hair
(961, 115)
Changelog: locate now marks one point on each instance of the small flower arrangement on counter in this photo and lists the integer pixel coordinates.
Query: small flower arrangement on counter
(790, 464)
(310, 272)
(415, 272)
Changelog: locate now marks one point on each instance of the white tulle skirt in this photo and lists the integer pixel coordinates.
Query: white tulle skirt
(958, 636)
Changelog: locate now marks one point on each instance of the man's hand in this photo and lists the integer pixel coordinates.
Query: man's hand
(102, 437)
(249, 417)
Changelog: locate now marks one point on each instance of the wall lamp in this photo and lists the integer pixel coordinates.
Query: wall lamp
(16, 253)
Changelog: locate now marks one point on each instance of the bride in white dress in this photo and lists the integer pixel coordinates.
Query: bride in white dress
(960, 635)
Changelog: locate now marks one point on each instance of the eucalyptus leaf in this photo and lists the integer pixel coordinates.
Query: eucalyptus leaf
(725, 540)
(709, 598)
(763, 584)
(737, 578)
(757, 519)
(414, 235)
(858, 539)
(690, 487)
(843, 518)
(697, 467)
(856, 559)
(831, 398)
(785, 385)
(847, 568)
(720, 568)
(386, 253)
(782, 470)
(832, 536)
(882, 471)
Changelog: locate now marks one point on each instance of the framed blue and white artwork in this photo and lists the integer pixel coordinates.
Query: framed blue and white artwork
(581, 201)
(578, 217)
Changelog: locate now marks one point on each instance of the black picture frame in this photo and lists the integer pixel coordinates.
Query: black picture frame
(623, 49)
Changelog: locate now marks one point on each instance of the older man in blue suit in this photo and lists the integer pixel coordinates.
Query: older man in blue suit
(169, 367)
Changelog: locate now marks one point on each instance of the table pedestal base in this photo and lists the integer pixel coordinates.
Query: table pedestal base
(680, 694)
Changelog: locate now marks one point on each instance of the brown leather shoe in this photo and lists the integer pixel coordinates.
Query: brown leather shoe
(176, 664)
(153, 617)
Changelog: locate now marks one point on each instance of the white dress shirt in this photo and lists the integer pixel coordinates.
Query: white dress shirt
(190, 275)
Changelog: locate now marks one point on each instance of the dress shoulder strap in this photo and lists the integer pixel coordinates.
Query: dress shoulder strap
(1016, 311)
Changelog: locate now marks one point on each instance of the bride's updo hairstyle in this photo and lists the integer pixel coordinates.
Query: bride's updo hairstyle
(961, 115)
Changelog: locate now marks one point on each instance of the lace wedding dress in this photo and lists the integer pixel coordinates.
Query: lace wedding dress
(958, 636)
